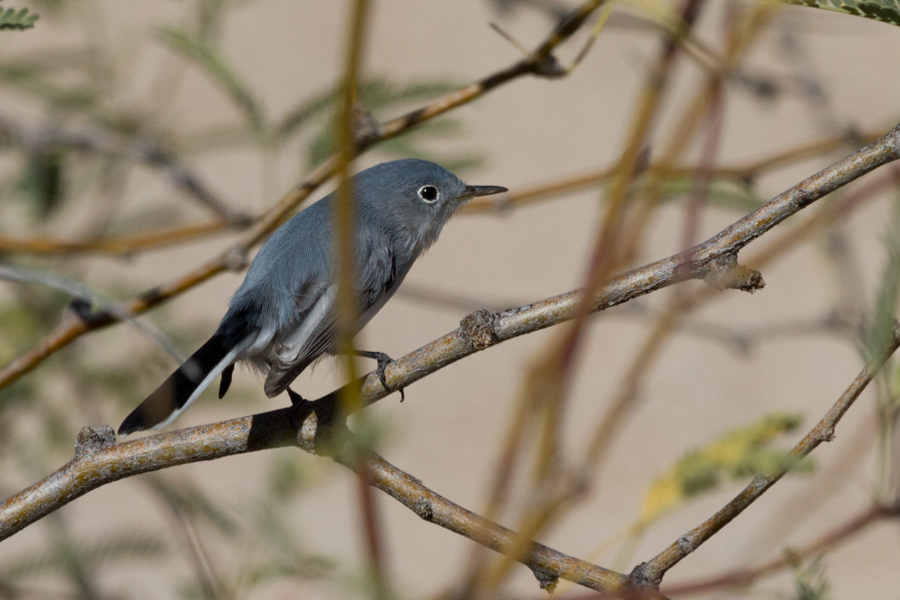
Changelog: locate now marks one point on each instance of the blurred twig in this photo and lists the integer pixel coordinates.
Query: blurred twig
(126, 245)
(345, 258)
(574, 183)
(85, 300)
(138, 150)
(166, 236)
(791, 556)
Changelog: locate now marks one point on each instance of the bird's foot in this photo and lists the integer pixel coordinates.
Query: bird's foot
(383, 361)
(295, 397)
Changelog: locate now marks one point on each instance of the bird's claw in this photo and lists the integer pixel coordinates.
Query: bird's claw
(383, 361)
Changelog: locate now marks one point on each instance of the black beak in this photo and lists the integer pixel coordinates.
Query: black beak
(473, 191)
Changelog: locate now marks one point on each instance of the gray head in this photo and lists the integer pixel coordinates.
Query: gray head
(412, 199)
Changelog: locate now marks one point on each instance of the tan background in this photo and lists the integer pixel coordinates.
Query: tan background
(447, 432)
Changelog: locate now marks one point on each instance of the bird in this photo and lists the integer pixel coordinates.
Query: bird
(283, 317)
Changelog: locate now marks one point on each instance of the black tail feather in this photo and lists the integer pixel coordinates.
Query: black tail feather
(172, 395)
(226, 381)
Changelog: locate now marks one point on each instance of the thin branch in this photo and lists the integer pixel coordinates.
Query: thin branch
(540, 63)
(84, 300)
(345, 252)
(543, 561)
(502, 203)
(126, 245)
(791, 556)
(142, 151)
(651, 573)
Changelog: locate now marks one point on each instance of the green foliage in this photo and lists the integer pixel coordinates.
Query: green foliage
(19, 20)
(185, 496)
(810, 582)
(886, 11)
(208, 58)
(124, 546)
(41, 181)
(881, 328)
(726, 192)
(376, 94)
(740, 453)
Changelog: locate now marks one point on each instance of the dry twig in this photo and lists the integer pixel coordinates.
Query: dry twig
(652, 572)
(791, 557)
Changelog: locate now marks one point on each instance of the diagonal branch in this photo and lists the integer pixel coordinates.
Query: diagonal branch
(791, 556)
(651, 573)
(540, 63)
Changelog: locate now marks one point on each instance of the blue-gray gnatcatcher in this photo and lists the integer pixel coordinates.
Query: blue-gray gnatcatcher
(283, 317)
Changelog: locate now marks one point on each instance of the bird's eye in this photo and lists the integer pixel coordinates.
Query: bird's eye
(428, 193)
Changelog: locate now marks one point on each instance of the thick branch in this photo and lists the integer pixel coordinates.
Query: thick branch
(99, 461)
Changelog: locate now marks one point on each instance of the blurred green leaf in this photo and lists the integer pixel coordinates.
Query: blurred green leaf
(113, 549)
(287, 476)
(18, 20)
(379, 92)
(810, 582)
(190, 498)
(299, 116)
(721, 191)
(886, 11)
(20, 328)
(740, 453)
(881, 327)
(42, 181)
(216, 67)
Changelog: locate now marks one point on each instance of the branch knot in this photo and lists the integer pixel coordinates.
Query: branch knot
(686, 544)
(479, 329)
(547, 579)
(548, 67)
(424, 508)
(236, 259)
(726, 273)
(366, 130)
(93, 439)
(83, 308)
(639, 578)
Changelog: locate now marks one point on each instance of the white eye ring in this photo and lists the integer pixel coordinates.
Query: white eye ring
(428, 193)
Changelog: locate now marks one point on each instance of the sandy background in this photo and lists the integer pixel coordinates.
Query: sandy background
(448, 431)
